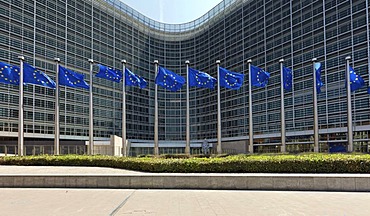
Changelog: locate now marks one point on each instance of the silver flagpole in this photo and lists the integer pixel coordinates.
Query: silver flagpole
(57, 127)
(21, 109)
(250, 108)
(315, 112)
(219, 147)
(187, 148)
(124, 108)
(156, 146)
(349, 107)
(91, 114)
(283, 145)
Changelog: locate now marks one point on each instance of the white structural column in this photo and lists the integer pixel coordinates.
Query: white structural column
(250, 107)
(124, 147)
(156, 146)
(187, 147)
(315, 108)
(349, 108)
(56, 118)
(90, 149)
(21, 109)
(219, 137)
(283, 144)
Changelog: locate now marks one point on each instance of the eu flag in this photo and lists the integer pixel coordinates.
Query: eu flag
(169, 80)
(356, 80)
(32, 76)
(132, 79)
(319, 83)
(201, 79)
(143, 82)
(260, 77)
(231, 80)
(109, 73)
(72, 79)
(368, 90)
(287, 78)
(7, 75)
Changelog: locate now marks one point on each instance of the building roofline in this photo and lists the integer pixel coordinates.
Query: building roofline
(173, 28)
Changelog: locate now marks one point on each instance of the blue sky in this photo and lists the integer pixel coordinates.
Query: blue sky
(172, 11)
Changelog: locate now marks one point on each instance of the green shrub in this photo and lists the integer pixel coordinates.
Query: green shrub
(145, 155)
(166, 156)
(200, 156)
(284, 163)
(220, 155)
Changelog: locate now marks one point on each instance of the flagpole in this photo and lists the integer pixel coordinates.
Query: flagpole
(187, 147)
(21, 109)
(156, 147)
(349, 107)
(282, 111)
(90, 149)
(124, 108)
(315, 108)
(57, 126)
(219, 147)
(250, 107)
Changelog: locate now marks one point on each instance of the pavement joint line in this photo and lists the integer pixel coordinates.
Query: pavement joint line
(121, 204)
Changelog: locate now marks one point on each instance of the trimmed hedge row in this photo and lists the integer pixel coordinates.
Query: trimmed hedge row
(305, 163)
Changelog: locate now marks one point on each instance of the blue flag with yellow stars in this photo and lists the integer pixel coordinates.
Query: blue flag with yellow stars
(319, 83)
(109, 73)
(7, 75)
(260, 77)
(72, 79)
(169, 80)
(32, 76)
(356, 80)
(143, 82)
(201, 79)
(132, 79)
(231, 80)
(287, 78)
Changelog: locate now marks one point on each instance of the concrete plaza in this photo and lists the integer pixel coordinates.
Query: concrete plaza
(110, 195)
(179, 202)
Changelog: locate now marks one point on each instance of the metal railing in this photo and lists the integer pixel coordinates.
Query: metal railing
(12, 150)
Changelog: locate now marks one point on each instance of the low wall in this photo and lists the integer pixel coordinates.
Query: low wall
(285, 182)
(112, 147)
(240, 147)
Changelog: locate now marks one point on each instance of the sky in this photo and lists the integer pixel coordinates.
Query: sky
(172, 11)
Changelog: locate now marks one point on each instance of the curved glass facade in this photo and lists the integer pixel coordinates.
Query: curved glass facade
(234, 31)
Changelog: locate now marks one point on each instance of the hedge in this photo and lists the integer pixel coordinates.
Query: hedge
(305, 163)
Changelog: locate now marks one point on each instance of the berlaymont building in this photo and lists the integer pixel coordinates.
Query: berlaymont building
(233, 32)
